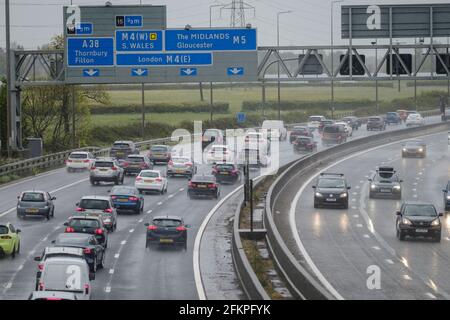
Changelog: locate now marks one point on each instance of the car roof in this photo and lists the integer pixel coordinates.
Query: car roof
(86, 217)
(155, 171)
(136, 156)
(203, 177)
(74, 235)
(105, 159)
(123, 141)
(317, 116)
(220, 146)
(64, 250)
(67, 260)
(33, 191)
(167, 217)
(418, 203)
(54, 294)
(95, 198)
(160, 145)
(79, 152)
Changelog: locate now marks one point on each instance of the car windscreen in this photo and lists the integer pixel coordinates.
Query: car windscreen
(314, 119)
(135, 159)
(413, 144)
(210, 179)
(78, 156)
(225, 167)
(123, 190)
(420, 210)
(121, 146)
(4, 230)
(167, 223)
(33, 197)
(72, 239)
(58, 277)
(386, 177)
(149, 174)
(374, 119)
(84, 223)
(331, 129)
(158, 148)
(104, 164)
(330, 183)
(95, 204)
(180, 160)
(304, 140)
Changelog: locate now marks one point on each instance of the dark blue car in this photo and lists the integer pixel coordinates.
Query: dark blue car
(447, 197)
(127, 198)
(393, 117)
(167, 230)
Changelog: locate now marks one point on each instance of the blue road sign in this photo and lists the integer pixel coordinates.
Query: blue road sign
(235, 71)
(210, 40)
(91, 72)
(188, 72)
(163, 59)
(82, 52)
(139, 72)
(84, 28)
(139, 40)
(241, 117)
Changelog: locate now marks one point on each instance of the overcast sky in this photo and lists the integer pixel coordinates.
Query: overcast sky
(34, 22)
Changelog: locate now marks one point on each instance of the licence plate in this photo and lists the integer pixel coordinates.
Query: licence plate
(123, 200)
(165, 240)
(332, 200)
(32, 210)
(225, 173)
(421, 230)
(385, 190)
(201, 186)
(103, 170)
(179, 171)
(148, 180)
(77, 161)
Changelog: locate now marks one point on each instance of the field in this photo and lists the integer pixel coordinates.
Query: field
(236, 95)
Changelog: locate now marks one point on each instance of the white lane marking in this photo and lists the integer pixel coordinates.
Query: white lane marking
(447, 238)
(355, 193)
(149, 211)
(108, 289)
(415, 184)
(359, 225)
(357, 187)
(353, 200)
(356, 216)
(123, 242)
(20, 267)
(8, 285)
(7, 211)
(415, 196)
(140, 220)
(389, 261)
(170, 196)
(111, 271)
(406, 277)
(32, 252)
(159, 203)
(414, 190)
(44, 239)
(429, 294)
(181, 189)
(366, 236)
(361, 181)
(131, 230)
(116, 256)
(354, 208)
(376, 248)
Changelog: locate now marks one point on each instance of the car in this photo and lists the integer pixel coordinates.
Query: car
(35, 203)
(79, 160)
(314, 121)
(134, 163)
(166, 230)
(127, 198)
(402, 114)
(106, 170)
(331, 189)
(276, 129)
(305, 143)
(226, 172)
(418, 219)
(414, 148)
(353, 122)
(256, 158)
(375, 123)
(203, 185)
(298, 131)
(52, 295)
(219, 153)
(183, 166)
(64, 274)
(446, 192)
(448, 137)
(9, 240)
(211, 136)
(393, 118)
(347, 128)
(385, 182)
(151, 180)
(91, 249)
(122, 149)
(324, 123)
(333, 134)
(90, 225)
(415, 119)
(257, 141)
(408, 112)
(160, 153)
(99, 206)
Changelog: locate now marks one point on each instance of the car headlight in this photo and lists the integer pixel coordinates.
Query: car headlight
(404, 149)
(406, 221)
(344, 195)
(435, 222)
(318, 194)
(397, 187)
(372, 186)
(108, 220)
(420, 150)
(448, 197)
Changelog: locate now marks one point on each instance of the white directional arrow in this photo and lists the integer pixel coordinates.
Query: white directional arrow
(236, 70)
(189, 71)
(140, 71)
(91, 72)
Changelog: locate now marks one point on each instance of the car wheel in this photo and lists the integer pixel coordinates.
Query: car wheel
(140, 191)
(92, 182)
(13, 253)
(106, 244)
(345, 206)
(102, 262)
(116, 181)
(94, 266)
(146, 243)
(53, 212)
(18, 248)
(162, 191)
(48, 216)
(401, 236)
(437, 238)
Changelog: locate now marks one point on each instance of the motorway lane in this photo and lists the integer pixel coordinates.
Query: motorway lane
(17, 276)
(343, 243)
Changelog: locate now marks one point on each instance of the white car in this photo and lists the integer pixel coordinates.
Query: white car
(151, 180)
(219, 153)
(79, 160)
(314, 121)
(348, 129)
(275, 129)
(256, 140)
(415, 119)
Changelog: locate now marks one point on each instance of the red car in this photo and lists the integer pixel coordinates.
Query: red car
(298, 131)
(305, 143)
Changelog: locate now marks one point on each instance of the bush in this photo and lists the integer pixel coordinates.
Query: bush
(219, 108)
(305, 105)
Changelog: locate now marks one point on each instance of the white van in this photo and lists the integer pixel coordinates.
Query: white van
(275, 129)
(67, 274)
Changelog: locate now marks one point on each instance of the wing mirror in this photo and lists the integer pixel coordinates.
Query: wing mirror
(53, 241)
(444, 190)
(441, 214)
(398, 213)
(77, 204)
(370, 180)
(348, 188)
(314, 187)
(146, 224)
(91, 276)
(37, 259)
(66, 223)
(401, 181)
(53, 198)
(18, 231)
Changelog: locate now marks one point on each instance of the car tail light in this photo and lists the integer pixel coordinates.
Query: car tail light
(144, 166)
(41, 266)
(114, 169)
(86, 288)
(189, 164)
(124, 164)
(166, 154)
(80, 209)
(53, 299)
(214, 170)
(93, 167)
(170, 163)
(152, 228)
(138, 179)
(181, 228)
(190, 184)
(68, 160)
(70, 229)
(212, 185)
(41, 286)
(234, 171)
(86, 161)
(158, 179)
(113, 197)
(133, 199)
(109, 210)
(99, 231)
(5, 238)
(87, 251)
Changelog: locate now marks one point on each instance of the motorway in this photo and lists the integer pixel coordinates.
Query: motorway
(340, 245)
(131, 271)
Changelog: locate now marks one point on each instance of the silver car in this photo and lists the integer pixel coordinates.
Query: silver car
(183, 166)
(108, 170)
(99, 206)
(414, 148)
(385, 183)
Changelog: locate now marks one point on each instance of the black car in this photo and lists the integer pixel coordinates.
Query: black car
(331, 189)
(134, 163)
(127, 198)
(226, 172)
(203, 185)
(90, 225)
(35, 203)
(122, 149)
(299, 131)
(305, 143)
(393, 117)
(376, 123)
(447, 197)
(385, 183)
(414, 148)
(418, 219)
(166, 230)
